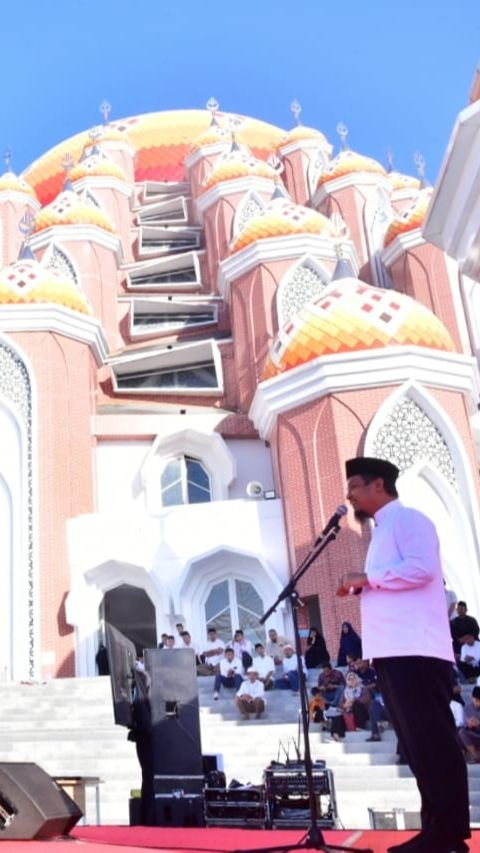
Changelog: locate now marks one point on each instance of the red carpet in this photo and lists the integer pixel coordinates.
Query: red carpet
(97, 839)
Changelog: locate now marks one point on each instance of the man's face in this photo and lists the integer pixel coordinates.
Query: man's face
(469, 639)
(288, 652)
(252, 676)
(229, 655)
(461, 610)
(187, 639)
(212, 636)
(260, 651)
(327, 671)
(364, 497)
(170, 642)
(273, 635)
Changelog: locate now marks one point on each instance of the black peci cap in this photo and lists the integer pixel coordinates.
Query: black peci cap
(367, 466)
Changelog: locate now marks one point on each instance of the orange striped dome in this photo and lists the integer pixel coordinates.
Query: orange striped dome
(26, 282)
(348, 162)
(70, 209)
(411, 217)
(298, 133)
(399, 181)
(280, 218)
(98, 166)
(9, 181)
(162, 141)
(350, 316)
(237, 164)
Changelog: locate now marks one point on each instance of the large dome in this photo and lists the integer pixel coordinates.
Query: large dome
(26, 282)
(351, 316)
(162, 141)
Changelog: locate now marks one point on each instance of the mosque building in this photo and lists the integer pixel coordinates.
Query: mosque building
(202, 316)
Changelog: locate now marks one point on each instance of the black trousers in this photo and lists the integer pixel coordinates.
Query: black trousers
(417, 694)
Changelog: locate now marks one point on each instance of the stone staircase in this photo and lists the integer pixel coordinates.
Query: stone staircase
(66, 726)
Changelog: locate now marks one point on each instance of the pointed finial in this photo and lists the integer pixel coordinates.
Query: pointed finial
(296, 109)
(276, 164)
(212, 106)
(421, 163)
(7, 156)
(342, 131)
(26, 223)
(67, 164)
(389, 159)
(105, 109)
(95, 134)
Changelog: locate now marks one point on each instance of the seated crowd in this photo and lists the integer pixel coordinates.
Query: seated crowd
(346, 697)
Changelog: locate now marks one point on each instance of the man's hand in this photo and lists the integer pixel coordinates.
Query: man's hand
(351, 583)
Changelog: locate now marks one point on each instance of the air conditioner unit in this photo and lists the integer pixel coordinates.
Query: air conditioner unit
(254, 489)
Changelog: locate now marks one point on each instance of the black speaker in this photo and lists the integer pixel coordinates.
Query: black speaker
(177, 752)
(32, 805)
(179, 811)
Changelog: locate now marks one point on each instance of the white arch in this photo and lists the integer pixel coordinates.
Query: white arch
(304, 294)
(85, 597)
(219, 564)
(462, 505)
(55, 252)
(318, 163)
(242, 215)
(209, 447)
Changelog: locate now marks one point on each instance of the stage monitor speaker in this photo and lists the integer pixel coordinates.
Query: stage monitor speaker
(177, 752)
(32, 805)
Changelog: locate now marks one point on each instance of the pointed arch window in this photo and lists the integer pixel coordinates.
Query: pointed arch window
(252, 205)
(302, 284)
(185, 480)
(408, 436)
(59, 262)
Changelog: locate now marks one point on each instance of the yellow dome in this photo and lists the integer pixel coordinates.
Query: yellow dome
(300, 132)
(214, 135)
(69, 209)
(27, 282)
(97, 165)
(350, 316)
(400, 181)
(11, 181)
(238, 164)
(411, 217)
(346, 163)
(280, 218)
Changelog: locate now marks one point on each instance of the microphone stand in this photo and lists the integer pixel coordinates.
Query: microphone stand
(314, 836)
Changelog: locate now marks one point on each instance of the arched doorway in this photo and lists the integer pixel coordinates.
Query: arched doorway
(130, 610)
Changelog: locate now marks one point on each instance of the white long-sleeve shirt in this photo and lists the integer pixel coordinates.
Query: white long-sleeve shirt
(403, 609)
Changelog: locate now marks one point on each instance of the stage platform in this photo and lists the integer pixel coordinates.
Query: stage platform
(107, 839)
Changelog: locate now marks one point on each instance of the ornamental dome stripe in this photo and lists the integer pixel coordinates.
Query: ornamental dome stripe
(27, 282)
(351, 316)
(238, 164)
(410, 218)
(69, 209)
(349, 162)
(279, 219)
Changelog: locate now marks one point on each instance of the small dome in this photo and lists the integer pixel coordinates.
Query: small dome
(213, 135)
(350, 316)
(238, 164)
(9, 181)
(349, 162)
(400, 181)
(300, 132)
(280, 218)
(27, 282)
(70, 209)
(97, 165)
(411, 217)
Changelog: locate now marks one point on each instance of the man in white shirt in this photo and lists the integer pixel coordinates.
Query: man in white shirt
(250, 698)
(469, 663)
(275, 646)
(230, 674)
(405, 631)
(213, 651)
(288, 680)
(264, 665)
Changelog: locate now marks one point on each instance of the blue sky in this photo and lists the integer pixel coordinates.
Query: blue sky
(396, 76)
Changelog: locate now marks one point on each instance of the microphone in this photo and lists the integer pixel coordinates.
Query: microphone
(333, 521)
